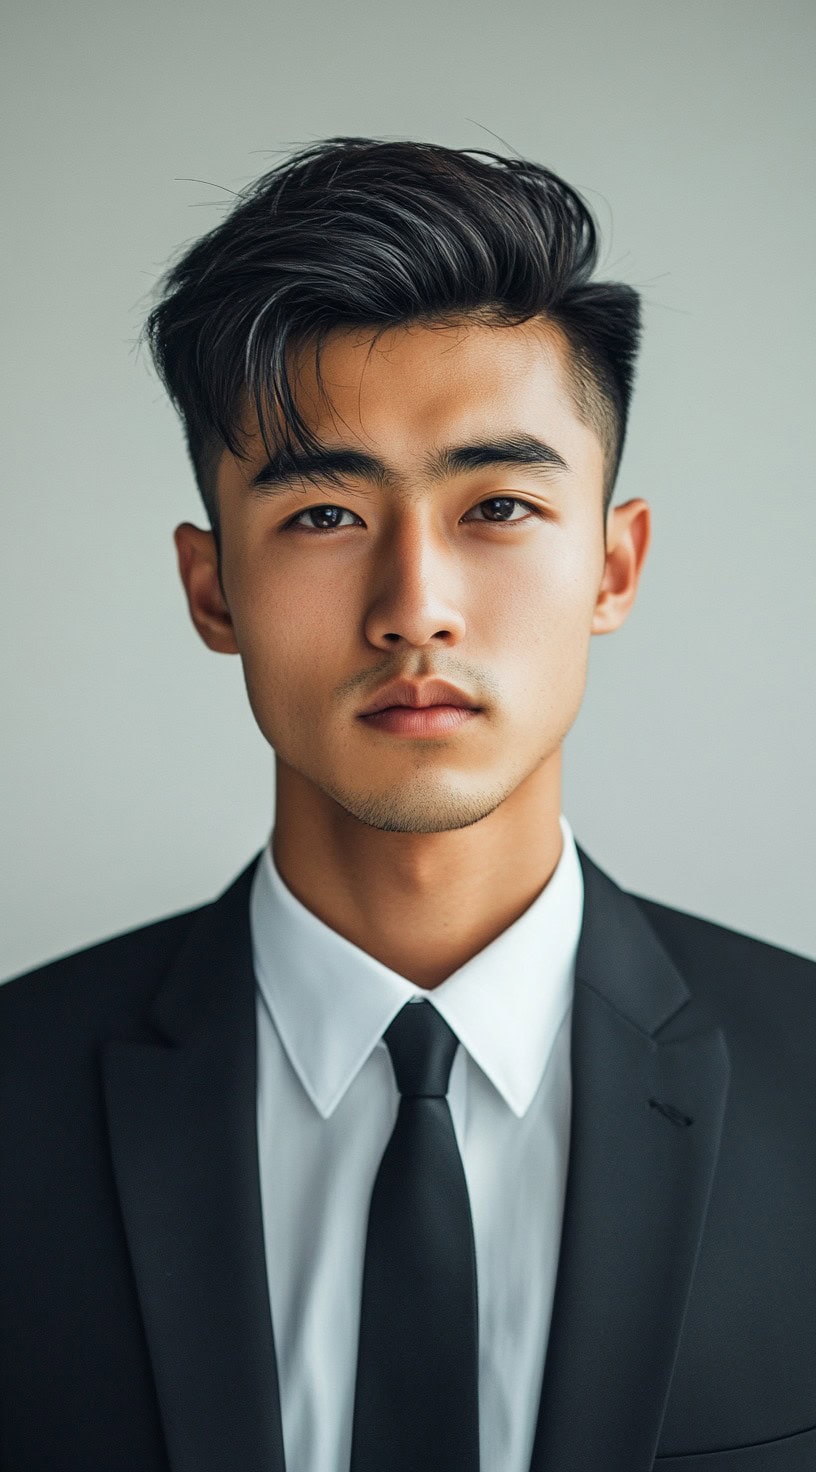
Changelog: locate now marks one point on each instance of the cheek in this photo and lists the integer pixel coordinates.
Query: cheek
(540, 634)
(288, 631)
(549, 598)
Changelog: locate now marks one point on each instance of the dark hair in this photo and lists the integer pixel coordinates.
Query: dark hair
(358, 232)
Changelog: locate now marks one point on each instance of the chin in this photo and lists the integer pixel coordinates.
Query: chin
(434, 807)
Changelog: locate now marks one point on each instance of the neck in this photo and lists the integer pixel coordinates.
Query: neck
(421, 903)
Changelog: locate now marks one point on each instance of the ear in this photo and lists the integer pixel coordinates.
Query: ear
(198, 569)
(628, 533)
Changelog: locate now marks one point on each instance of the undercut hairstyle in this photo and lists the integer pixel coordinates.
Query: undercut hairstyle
(366, 233)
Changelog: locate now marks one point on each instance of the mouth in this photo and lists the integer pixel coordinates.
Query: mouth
(418, 695)
(428, 720)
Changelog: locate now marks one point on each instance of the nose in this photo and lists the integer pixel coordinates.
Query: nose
(416, 593)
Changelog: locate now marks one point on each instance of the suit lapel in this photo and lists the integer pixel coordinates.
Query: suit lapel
(649, 1081)
(182, 1123)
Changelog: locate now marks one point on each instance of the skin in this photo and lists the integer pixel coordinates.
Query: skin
(420, 852)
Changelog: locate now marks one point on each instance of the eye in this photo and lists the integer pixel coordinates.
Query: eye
(321, 511)
(502, 504)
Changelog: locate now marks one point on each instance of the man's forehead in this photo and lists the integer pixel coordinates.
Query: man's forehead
(470, 376)
(349, 353)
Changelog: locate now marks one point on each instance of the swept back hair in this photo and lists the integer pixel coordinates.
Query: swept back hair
(361, 232)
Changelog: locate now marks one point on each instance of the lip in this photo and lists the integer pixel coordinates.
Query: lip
(415, 696)
(429, 720)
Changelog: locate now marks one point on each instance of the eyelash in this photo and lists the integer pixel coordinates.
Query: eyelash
(294, 521)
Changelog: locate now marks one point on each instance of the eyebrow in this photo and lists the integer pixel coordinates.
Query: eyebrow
(338, 464)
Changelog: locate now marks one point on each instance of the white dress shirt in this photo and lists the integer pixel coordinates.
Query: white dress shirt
(327, 1103)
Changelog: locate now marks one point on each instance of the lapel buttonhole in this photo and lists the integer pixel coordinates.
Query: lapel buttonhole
(675, 1115)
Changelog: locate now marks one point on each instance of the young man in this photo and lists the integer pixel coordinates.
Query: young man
(425, 1147)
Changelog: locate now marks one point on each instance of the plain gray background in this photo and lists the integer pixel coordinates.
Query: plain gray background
(134, 779)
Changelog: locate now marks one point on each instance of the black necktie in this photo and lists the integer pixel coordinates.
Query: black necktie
(416, 1405)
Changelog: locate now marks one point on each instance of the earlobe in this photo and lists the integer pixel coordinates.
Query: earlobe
(198, 570)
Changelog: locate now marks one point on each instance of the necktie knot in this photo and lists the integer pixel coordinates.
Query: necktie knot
(422, 1048)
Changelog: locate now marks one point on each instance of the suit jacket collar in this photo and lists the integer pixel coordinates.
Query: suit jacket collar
(620, 956)
(646, 1120)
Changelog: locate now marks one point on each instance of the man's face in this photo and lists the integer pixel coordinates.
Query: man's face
(487, 578)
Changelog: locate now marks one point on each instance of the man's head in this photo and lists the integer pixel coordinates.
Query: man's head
(406, 406)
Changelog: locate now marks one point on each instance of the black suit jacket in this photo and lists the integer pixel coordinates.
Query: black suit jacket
(135, 1324)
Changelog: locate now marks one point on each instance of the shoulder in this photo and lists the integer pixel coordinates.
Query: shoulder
(691, 938)
(755, 990)
(100, 981)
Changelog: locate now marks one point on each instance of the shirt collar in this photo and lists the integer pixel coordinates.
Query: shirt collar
(331, 1002)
